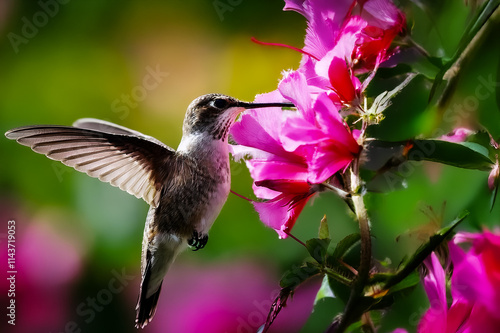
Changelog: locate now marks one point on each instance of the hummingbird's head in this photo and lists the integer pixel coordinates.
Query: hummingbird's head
(214, 114)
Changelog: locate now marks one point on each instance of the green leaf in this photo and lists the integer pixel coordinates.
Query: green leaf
(398, 125)
(324, 233)
(295, 276)
(407, 283)
(400, 290)
(322, 314)
(464, 49)
(325, 291)
(384, 100)
(375, 317)
(317, 248)
(477, 23)
(424, 251)
(477, 148)
(483, 139)
(338, 288)
(334, 254)
(455, 154)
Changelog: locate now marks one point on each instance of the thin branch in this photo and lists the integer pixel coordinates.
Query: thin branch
(354, 308)
(295, 238)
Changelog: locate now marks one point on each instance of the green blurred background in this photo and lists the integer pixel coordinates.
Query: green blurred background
(78, 240)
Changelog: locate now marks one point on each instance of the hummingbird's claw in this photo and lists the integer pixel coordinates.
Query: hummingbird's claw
(198, 241)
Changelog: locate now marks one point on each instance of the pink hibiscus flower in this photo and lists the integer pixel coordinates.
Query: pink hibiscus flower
(280, 176)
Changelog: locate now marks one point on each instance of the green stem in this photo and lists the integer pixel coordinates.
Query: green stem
(354, 308)
(452, 75)
(364, 227)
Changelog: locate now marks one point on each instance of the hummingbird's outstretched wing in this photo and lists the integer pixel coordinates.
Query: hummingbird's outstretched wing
(124, 158)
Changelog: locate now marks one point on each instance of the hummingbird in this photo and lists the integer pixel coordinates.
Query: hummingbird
(185, 188)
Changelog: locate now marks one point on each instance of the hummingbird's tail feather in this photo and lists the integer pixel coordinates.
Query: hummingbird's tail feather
(146, 306)
(159, 254)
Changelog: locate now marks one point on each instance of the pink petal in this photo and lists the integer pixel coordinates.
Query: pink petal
(341, 80)
(264, 192)
(458, 315)
(382, 13)
(325, 18)
(348, 37)
(326, 162)
(239, 152)
(318, 83)
(481, 321)
(332, 124)
(257, 129)
(434, 319)
(294, 87)
(469, 277)
(490, 255)
(298, 6)
(286, 186)
(277, 214)
(276, 169)
(457, 135)
(297, 132)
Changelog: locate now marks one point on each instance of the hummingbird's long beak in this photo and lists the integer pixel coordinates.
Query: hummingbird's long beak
(264, 105)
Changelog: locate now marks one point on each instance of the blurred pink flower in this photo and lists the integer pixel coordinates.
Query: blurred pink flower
(459, 134)
(476, 274)
(435, 318)
(48, 265)
(227, 297)
(475, 287)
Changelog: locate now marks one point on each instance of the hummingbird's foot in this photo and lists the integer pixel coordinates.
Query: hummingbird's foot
(198, 241)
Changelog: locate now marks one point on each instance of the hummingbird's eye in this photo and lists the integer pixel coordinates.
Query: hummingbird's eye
(219, 103)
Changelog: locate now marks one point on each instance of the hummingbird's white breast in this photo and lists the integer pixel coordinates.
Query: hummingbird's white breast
(214, 156)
